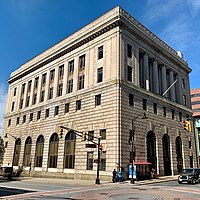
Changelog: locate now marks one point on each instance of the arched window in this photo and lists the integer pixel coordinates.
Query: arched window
(27, 152)
(53, 151)
(70, 142)
(17, 152)
(179, 154)
(39, 151)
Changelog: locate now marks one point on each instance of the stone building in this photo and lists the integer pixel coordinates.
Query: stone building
(100, 80)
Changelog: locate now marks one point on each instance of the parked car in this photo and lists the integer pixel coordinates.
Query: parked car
(189, 175)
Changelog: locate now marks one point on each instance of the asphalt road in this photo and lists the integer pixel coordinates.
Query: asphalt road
(30, 189)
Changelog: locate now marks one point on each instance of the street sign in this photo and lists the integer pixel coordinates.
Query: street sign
(91, 146)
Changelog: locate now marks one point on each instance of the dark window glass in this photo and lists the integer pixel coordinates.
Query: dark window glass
(27, 152)
(38, 115)
(34, 98)
(180, 116)
(82, 61)
(89, 161)
(100, 52)
(131, 99)
(129, 75)
(13, 106)
(103, 134)
(60, 89)
(24, 119)
(56, 111)
(15, 91)
(51, 93)
(183, 83)
(81, 82)
(39, 151)
(172, 114)
(98, 100)
(71, 66)
(44, 79)
(61, 71)
(99, 74)
(155, 108)
(70, 86)
(31, 117)
(66, 107)
(23, 88)
(17, 152)
(53, 151)
(36, 82)
(17, 121)
(78, 104)
(27, 101)
(42, 96)
(90, 135)
(21, 103)
(47, 113)
(52, 75)
(129, 50)
(184, 100)
(164, 111)
(9, 122)
(190, 144)
(29, 85)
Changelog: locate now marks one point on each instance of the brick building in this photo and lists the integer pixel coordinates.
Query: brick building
(100, 80)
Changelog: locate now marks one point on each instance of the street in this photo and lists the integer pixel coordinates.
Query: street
(41, 189)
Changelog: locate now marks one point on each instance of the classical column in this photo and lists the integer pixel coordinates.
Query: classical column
(146, 71)
(172, 90)
(155, 77)
(164, 80)
(47, 86)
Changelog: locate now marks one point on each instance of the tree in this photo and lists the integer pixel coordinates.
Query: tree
(2, 150)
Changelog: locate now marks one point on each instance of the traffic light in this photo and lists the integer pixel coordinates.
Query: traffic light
(83, 136)
(189, 126)
(101, 148)
(60, 133)
(186, 125)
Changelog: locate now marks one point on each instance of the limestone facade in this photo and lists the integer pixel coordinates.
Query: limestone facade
(118, 62)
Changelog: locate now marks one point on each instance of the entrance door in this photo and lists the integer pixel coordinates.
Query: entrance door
(166, 155)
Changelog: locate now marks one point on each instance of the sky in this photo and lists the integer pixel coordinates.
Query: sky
(29, 27)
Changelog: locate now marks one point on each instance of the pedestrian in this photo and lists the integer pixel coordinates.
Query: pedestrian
(152, 172)
(114, 175)
(119, 175)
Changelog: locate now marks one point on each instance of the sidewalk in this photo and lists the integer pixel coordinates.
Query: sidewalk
(102, 183)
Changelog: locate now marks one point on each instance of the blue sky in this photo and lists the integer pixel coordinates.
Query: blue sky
(28, 27)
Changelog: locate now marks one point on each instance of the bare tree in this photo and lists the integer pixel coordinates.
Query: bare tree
(2, 150)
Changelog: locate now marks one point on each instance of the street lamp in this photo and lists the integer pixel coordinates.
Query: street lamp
(132, 143)
(6, 136)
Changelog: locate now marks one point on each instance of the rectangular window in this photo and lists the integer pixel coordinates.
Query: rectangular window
(100, 52)
(44, 79)
(184, 100)
(24, 119)
(71, 66)
(129, 50)
(102, 166)
(15, 92)
(164, 111)
(183, 83)
(47, 113)
(66, 107)
(103, 134)
(60, 89)
(17, 121)
(81, 82)
(9, 122)
(38, 115)
(190, 144)
(42, 96)
(129, 74)
(98, 100)
(23, 88)
(180, 116)
(31, 117)
(61, 71)
(131, 99)
(51, 93)
(70, 86)
(155, 108)
(13, 106)
(27, 101)
(56, 111)
(90, 135)
(78, 104)
(172, 114)
(144, 104)
(34, 98)
(99, 74)
(82, 62)
(29, 85)
(36, 82)
(52, 75)
(21, 103)
(89, 161)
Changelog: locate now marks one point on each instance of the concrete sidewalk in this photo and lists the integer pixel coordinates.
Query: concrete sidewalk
(92, 182)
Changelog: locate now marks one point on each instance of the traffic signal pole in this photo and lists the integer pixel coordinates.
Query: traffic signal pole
(98, 163)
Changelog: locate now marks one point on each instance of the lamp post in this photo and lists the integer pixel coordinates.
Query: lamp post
(98, 163)
(132, 143)
(6, 136)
